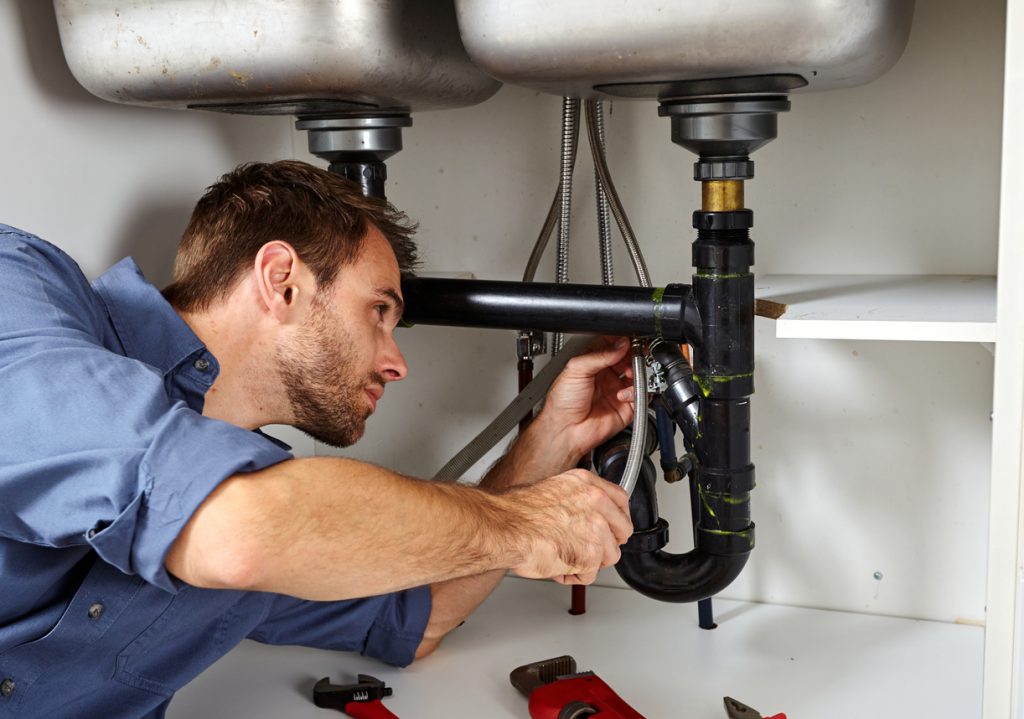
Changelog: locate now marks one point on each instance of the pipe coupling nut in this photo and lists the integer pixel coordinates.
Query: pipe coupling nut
(648, 540)
(705, 170)
(730, 220)
(726, 544)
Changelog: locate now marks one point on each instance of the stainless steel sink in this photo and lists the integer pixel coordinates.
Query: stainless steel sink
(665, 48)
(272, 56)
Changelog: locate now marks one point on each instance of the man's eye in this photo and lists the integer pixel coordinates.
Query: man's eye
(382, 310)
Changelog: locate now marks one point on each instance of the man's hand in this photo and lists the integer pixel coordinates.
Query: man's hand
(589, 402)
(573, 525)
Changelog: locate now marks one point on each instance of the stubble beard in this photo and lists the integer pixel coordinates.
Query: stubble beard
(327, 401)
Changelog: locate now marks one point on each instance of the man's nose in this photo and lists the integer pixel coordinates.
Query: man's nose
(393, 365)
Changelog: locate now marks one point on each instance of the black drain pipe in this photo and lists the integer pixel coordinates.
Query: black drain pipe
(718, 435)
(723, 131)
(712, 407)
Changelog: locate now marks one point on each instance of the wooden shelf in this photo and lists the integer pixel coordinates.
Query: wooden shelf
(806, 662)
(932, 308)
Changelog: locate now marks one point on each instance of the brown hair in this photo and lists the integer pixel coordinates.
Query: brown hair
(323, 216)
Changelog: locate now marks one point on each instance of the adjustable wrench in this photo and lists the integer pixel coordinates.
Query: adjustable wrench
(361, 700)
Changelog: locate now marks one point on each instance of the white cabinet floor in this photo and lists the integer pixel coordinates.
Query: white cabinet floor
(811, 664)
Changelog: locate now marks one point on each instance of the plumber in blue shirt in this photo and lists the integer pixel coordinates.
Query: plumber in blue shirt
(147, 526)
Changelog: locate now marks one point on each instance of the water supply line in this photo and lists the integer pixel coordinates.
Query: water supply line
(614, 202)
(595, 127)
(638, 436)
(570, 133)
(528, 343)
(604, 228)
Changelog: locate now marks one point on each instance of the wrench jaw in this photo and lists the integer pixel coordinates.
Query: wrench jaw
(337, 696)
(530, 677)
(739, 710)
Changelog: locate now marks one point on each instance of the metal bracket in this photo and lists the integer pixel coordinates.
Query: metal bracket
(530, 343)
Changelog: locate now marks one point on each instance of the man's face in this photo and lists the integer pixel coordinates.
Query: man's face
(335, 366)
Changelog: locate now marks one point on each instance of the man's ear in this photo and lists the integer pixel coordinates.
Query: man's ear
(283, 282)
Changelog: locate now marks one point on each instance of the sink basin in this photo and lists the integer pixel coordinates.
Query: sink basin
(672, 48)
(304, 57)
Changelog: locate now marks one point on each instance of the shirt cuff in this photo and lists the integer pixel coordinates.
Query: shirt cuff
(180, 473)
(396, 634)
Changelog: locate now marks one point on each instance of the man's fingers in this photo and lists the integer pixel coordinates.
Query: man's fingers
(606, 342)
(582, 578)
(616, 493)
(614, 506)
(591, 363)
(611, 551)
(588, 524)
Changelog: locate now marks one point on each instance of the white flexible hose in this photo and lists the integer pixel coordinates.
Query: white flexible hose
(639, 436)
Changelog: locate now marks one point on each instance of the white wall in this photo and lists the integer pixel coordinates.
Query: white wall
(871, 457)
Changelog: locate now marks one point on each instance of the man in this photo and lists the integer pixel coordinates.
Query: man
(146, 526)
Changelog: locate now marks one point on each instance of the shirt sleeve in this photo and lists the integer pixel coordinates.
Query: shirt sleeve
(388, 627)
(93, 451)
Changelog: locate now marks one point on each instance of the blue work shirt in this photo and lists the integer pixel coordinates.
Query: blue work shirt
(104, 456)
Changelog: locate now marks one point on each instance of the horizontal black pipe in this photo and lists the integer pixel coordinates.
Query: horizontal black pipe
(667, 312)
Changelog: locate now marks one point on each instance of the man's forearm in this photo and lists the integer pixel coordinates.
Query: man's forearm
(329, 528)
(456, 599)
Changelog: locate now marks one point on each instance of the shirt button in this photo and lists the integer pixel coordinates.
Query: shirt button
(7, 687)
(202, 364)
(96, 611)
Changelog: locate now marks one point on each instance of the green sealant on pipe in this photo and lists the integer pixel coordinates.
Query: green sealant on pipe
(704, 500)
(704, 274)
(729, 498)
(744, 533)
(706, 384)
(658, 297)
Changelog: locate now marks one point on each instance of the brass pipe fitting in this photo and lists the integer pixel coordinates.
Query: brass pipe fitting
(721, 195)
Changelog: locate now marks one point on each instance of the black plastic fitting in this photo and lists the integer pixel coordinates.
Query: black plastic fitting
(681, 395)
(723, 168)
(371, 176)
(730, 220)
(724, 294)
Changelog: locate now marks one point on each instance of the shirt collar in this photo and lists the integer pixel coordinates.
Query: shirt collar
(151, 331)
(148, 327)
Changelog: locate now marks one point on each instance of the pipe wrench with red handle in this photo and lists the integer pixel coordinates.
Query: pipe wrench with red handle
(557, 691)
(360, 700)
